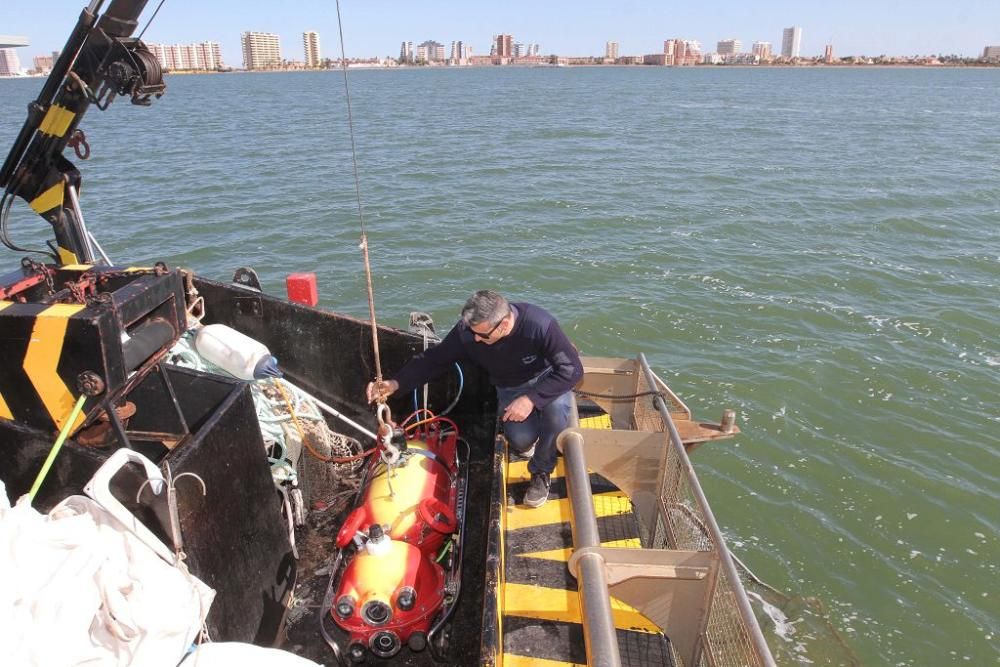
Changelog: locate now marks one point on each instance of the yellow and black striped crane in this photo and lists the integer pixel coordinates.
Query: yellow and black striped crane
(99, 62)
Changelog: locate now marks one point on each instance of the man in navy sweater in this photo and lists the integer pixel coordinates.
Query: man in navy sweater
(530, 361)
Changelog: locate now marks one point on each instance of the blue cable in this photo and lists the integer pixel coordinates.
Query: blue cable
(461, 387)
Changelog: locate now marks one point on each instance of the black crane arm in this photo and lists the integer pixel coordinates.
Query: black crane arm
(99, 62)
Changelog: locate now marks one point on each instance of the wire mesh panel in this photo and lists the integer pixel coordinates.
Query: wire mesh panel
(682, 577)
(681, 525)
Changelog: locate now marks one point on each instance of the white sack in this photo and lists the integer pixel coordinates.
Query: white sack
(77, 589)
(243, 655)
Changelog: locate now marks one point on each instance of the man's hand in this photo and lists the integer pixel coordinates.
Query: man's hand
(518, 410)
(382, 390)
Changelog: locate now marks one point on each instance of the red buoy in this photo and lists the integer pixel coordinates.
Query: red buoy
(302, 288)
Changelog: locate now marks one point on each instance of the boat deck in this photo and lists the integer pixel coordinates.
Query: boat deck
(542, 624)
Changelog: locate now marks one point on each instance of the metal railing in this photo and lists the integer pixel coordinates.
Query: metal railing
(683, 578)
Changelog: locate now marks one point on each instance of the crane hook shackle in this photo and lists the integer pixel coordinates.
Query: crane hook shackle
(383, 414)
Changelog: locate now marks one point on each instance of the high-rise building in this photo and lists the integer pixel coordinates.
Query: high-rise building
(828, 54)
(762, 50)
(203, 56)
(504, 46)
(611, 50)
(261, 50)
(522, 50)
(211, 55)
(10, 64)
(43, 63)
(406, 52)
(310, 48)
(791, 42)
(991, 54)
(682, 52)
(459, 52)
(670, 49)
(729, 47)
(430, 51)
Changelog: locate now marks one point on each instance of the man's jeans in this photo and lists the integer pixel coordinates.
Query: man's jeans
(543, 425)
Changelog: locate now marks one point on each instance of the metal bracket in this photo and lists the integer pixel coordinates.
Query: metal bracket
(623, 564)
(671, 588)
(246, 278)
(249, 306)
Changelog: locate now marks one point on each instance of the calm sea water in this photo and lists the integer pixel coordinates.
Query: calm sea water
(818, 249)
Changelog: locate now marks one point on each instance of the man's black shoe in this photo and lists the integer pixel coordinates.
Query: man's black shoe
(538, 490)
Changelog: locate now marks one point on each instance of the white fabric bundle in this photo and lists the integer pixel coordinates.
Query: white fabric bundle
(225, 654)
(76, 588)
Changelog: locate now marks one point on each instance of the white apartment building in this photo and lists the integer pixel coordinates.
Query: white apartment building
(791, 42)
(261, 50)
(310, 46)
(611, 50)
(991, 53)
(762, 50)
(10, 64)
(43, 64)
(459, 53)
(728, 47)
(430, 51)
(200, 56)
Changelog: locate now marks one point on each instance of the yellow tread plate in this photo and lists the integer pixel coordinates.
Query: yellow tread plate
(511, 660)
(518, 471)
(41, 362)
(77, 267)
(600, 421)
(563, 555)
(503, 565)
(559, 510)
(555, 604)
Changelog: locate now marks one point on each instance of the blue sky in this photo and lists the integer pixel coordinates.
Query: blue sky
(579, 27)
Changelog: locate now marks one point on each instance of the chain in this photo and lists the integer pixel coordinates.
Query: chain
(40, 269)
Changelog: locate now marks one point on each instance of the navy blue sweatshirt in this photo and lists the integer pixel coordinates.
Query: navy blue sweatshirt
(536, 344)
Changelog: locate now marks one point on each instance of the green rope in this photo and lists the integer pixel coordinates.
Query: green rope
(444, 551)
(63, 434)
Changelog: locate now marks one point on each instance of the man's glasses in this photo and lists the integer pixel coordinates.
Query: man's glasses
(486, 336)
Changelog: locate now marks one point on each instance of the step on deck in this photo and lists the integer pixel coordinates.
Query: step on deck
(542, 621)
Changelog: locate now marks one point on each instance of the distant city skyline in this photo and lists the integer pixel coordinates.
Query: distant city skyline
(579, 28)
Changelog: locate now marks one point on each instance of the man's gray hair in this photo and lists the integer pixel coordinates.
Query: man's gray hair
(485, 306)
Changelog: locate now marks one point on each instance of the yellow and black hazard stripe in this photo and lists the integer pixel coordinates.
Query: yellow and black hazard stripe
(47, 203)
(41, 358)
(5, 412)
(57, 121)
(542, 622)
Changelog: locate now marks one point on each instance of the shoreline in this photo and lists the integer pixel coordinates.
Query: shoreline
(594, 66)
(812, 66)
